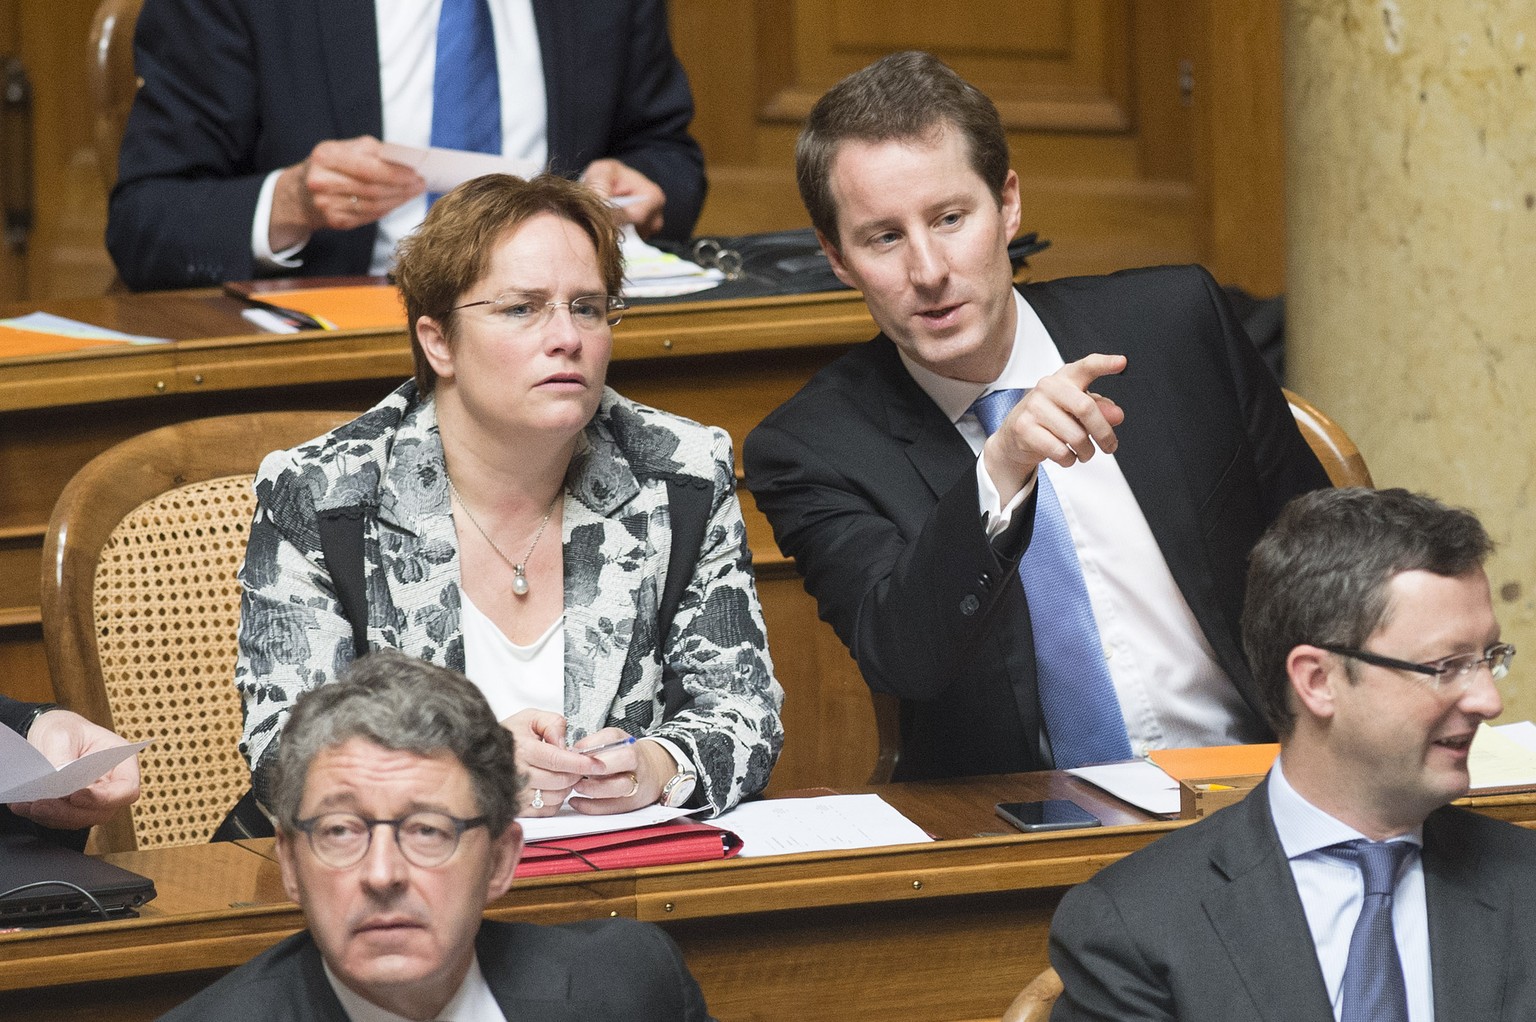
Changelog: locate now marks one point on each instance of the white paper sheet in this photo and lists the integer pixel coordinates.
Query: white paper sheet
(1500, 757)
(782, 826)
(569, 823)
(446, 169)
(48, 323)
(1522, 731)
(1143, 784)
(28, 776)
(651, 273)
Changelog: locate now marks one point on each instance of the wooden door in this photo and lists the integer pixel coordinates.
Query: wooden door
(1143, 131)
(48, 163)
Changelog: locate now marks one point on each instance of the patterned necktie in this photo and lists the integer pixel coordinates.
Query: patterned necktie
(1373, 989)
(466, 90)
(1082, 714)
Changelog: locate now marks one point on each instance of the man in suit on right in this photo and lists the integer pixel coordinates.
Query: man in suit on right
(1343, 887)
(1090, 617)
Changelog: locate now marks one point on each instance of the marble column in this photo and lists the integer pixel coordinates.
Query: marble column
(1411, 258)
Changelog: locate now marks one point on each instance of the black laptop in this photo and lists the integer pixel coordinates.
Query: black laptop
(42, 884)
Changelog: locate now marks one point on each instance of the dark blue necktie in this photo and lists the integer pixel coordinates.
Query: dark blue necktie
(466, 90)
(1077, 697)
(1373, 989)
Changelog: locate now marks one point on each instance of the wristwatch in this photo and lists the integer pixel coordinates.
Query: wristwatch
(679, 788)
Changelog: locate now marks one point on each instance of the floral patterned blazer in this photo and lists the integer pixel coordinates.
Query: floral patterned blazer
(617, 540)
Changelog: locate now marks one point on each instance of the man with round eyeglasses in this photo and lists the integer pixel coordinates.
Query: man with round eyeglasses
(1344, 886)
(395, 792)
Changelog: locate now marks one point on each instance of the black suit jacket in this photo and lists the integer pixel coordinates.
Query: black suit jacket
(1205, 925)
(611, 969)
(872, 491)
(234, 89)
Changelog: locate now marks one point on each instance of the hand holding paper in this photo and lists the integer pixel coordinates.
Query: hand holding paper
(96, 774)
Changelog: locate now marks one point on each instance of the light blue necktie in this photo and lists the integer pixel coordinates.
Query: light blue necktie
(1077, 698)
(1373, 988)
(466, 90)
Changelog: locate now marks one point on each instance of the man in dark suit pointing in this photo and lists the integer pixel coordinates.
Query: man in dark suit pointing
(1117, 435)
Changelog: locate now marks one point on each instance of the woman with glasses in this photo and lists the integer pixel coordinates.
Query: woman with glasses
(507, 515)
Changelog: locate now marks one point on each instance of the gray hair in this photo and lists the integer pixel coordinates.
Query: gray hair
(1322, 571)
(402, 703)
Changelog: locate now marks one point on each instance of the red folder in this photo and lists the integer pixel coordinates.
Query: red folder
(661, 845)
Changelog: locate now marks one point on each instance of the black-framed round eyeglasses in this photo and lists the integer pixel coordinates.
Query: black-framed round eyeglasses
(426, 839)
(1447, 672)
(518, 310)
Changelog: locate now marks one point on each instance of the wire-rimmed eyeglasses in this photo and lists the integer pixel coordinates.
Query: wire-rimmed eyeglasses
(426, 839)
(522, 311)
(1448, 672)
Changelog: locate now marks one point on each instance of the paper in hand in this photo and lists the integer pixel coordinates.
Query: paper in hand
(446, 169)
(26, 775)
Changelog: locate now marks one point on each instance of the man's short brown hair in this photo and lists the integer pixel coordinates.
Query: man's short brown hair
(910, 96)
(1322, 574)
(448, 253)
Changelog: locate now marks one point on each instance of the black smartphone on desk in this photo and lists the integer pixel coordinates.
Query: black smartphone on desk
(1052, 814)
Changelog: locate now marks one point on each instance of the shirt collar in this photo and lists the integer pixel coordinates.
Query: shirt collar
(1033, 356)
(1304, 828)
(473, 1002)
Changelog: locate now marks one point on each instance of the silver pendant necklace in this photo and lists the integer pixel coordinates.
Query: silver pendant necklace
(519, 568)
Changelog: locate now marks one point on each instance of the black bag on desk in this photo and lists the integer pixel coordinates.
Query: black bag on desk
(780, 263)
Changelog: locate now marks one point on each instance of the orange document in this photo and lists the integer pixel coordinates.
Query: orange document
(1215, 761)
(15, 343)
(336, 303)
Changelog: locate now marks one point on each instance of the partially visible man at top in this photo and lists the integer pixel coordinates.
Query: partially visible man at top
(64, 736)
(1118, 436)
(396, 793)
(253, 146)
(1343, 888)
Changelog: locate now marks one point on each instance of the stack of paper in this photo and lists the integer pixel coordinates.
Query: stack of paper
(42, 333)
(782, 826)
(652, 273)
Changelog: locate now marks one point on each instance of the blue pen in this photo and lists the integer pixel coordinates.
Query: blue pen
(626, 740)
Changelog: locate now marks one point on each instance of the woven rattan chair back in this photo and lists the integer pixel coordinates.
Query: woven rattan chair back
(141, 607)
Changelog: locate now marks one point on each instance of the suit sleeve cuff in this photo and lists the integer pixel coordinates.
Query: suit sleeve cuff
(261, 238)
(996, 519)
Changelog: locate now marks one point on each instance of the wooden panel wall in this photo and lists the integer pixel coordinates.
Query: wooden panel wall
(1144, 131)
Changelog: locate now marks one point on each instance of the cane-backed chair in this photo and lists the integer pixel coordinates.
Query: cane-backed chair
(112, 80)
(140, 607)
(1035, 1001)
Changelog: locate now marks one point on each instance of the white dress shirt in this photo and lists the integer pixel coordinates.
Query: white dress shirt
(514, 677)
(472, 1003)
(1172, 691)
(407, 64)
(1332, 890)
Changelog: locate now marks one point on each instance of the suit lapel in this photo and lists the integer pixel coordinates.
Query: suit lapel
(559, 38)
(1466, 949)
(935, 448)
(608, 581)
(1149, 460)
(349, 39)
(415, 529)
(1260, 896)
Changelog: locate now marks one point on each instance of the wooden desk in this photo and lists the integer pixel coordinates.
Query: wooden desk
(726, 363)
(949, 930)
